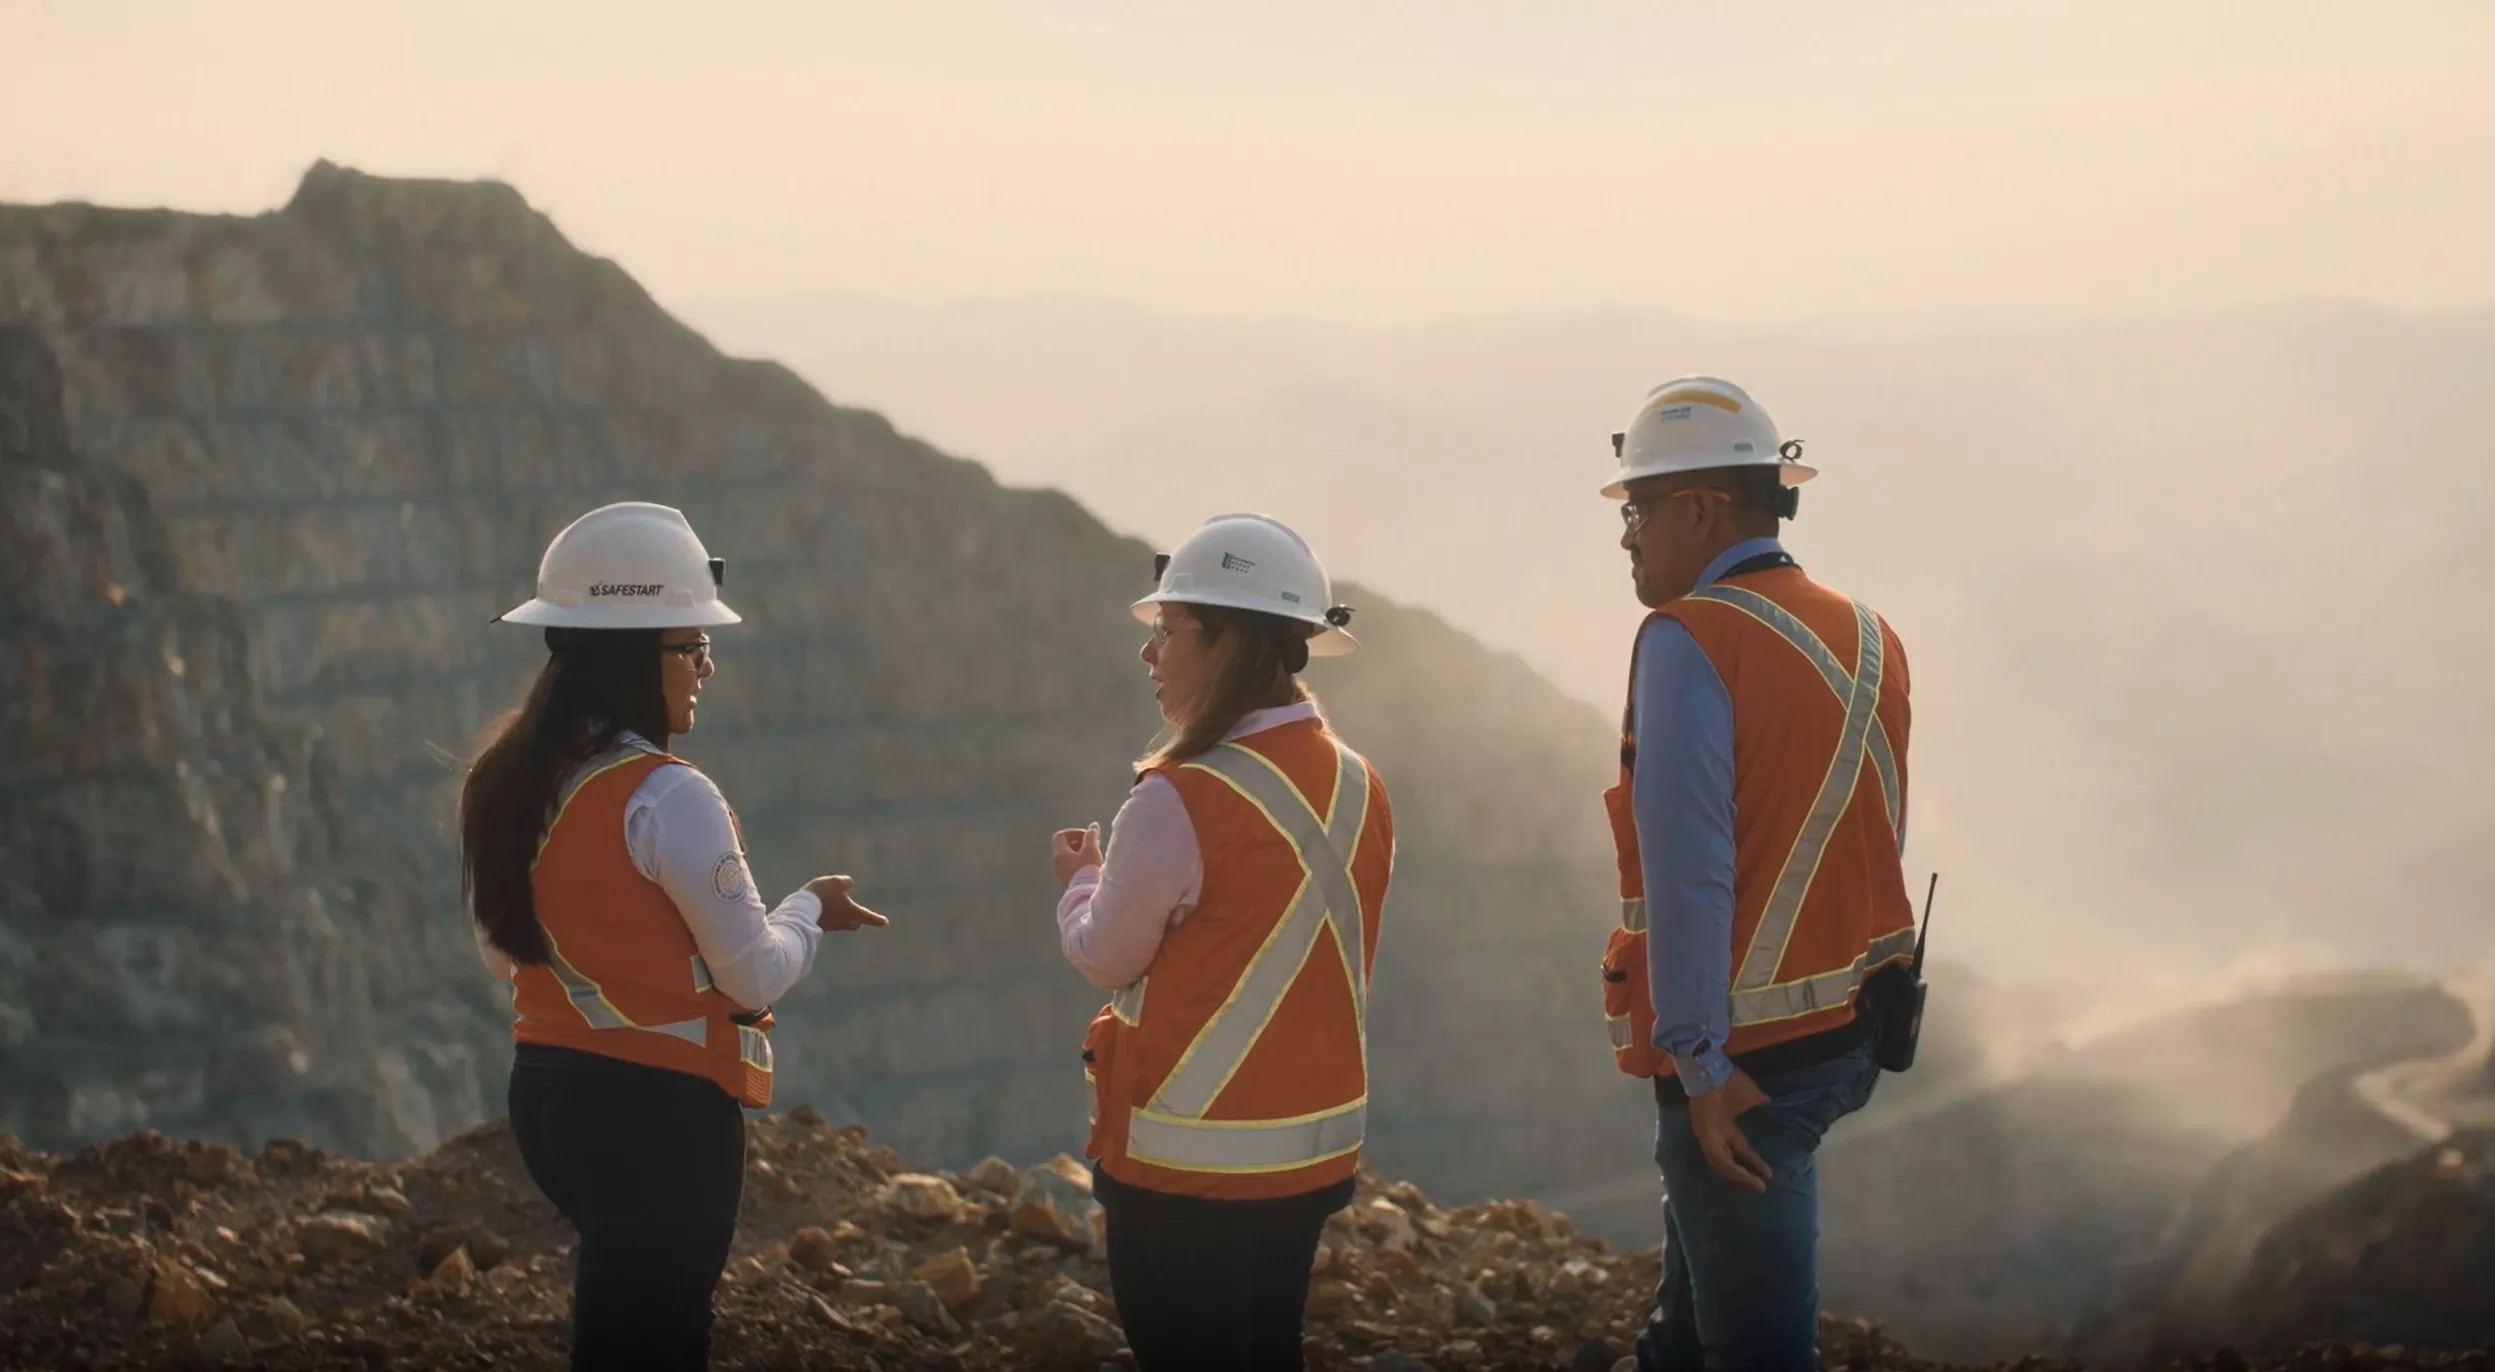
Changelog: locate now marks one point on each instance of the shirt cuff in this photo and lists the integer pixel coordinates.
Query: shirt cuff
(1704, 1072)
(801, 904)
(1074, 904)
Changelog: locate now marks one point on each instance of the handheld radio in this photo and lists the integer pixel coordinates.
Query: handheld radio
(1898, 1011)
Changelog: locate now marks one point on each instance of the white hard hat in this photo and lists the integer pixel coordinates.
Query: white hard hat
(1696, 423)
(627, 566)
(1252, 562)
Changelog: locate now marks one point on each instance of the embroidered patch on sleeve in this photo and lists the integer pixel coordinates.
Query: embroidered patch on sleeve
(727, 877)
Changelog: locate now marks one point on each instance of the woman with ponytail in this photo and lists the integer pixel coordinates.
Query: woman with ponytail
(1234, 920)
(609, 886)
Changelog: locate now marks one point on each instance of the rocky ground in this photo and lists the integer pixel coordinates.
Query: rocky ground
(148, 1252)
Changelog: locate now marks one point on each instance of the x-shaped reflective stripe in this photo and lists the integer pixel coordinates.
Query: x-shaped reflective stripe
(586, 996)
(612, 759)
(1841, 682)
(1326, 899)
(1836, 791)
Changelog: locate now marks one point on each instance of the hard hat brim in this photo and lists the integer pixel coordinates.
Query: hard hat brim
(1329, 642)
(1794, 474)
(547, 614)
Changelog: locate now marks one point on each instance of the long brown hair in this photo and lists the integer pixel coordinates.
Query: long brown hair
(596, 684)
(1256, 659)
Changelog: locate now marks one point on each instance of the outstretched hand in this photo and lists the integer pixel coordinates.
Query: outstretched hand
(839, 911)
(1073, 850)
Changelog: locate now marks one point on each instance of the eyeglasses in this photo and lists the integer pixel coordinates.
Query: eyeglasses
(1162, 629)
(1635, 513)
(698, 652)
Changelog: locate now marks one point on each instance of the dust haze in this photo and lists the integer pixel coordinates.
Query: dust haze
(2143, 349)
(2195, 725)
(2184, 596)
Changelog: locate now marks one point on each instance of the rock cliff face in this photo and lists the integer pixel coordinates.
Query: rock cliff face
(265, 480)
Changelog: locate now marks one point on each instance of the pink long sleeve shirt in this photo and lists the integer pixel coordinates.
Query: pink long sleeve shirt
(1112, 918)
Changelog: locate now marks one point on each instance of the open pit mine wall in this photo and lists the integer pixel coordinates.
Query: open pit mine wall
(263, 483)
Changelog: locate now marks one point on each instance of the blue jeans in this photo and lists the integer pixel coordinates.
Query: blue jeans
(1740, 1288)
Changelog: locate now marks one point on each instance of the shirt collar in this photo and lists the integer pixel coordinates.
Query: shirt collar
(1258, 721)
(1737, 554)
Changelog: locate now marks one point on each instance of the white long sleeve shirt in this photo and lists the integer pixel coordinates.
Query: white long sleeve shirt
(1113, 916)
(680, 834)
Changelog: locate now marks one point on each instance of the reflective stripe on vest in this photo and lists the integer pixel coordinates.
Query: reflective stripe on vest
(1127, 1002)
(1633, 914)
(620, 755)
(587, 996)
(1171, 1130)
(1757, 997)
(598, 1012)
(1795, 632)
(1246, 1145)
(1825, 991)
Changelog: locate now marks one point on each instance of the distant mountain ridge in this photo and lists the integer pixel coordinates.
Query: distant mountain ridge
(267, 478)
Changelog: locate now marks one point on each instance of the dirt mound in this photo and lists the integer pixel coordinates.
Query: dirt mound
(2405, 1253)
(148, 1252)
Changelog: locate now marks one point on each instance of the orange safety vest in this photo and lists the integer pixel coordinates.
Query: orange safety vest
(1818, 690)
(1238, 1067)
(625, 979)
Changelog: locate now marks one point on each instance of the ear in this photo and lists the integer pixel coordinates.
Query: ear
(1690, 512)
(1715, 516)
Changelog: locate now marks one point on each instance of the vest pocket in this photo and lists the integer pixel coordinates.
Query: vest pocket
(1628, 1012)
(1100, 1072)
(1617, 809)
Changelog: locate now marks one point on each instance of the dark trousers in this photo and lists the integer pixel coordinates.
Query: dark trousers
(649, 1166)
(1213, 1285)
(1740, 1290)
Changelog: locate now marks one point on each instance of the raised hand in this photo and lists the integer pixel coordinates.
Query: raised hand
(1073, 850)
(839, 911)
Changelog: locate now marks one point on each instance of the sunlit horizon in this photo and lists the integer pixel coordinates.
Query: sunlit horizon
(1387, 164)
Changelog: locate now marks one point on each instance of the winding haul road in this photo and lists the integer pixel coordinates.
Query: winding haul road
(2419, 1095)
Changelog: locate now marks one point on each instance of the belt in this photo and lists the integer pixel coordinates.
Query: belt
(1806, 1051)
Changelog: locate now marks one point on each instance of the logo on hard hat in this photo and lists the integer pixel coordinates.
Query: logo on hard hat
(1673, 412)
(1232, 562)
(616, 588)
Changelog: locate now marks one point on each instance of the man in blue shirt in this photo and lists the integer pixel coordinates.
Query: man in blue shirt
(1801, 881)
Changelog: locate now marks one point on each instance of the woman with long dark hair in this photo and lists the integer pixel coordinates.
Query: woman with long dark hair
(609, 886)
(1234, 920)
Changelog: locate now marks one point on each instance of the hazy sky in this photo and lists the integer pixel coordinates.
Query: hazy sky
(1345, 160)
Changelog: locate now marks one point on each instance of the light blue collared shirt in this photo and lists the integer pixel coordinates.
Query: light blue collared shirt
(1682, 797)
